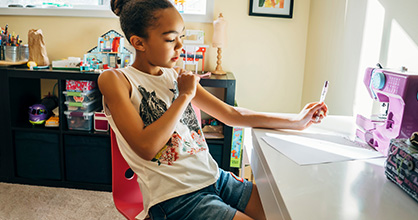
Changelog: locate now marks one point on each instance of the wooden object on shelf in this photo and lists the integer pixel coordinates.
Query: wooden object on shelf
(9, 63)
(218, 69)
(219, 41)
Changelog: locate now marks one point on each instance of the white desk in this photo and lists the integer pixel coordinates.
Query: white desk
(348, 190)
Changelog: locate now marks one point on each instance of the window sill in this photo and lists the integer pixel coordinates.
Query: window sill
(64, 12)
(89, 12)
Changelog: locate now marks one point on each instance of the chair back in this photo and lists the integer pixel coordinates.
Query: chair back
(127, 195)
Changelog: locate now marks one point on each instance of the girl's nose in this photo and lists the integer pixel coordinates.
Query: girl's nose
(179, 44)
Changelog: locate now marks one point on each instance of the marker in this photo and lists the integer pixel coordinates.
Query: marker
(322, 98)
(324, 92)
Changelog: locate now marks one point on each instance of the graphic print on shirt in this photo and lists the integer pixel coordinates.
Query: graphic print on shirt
(152, 108)
(189, 119)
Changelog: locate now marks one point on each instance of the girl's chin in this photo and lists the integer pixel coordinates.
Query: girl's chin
(171, 64)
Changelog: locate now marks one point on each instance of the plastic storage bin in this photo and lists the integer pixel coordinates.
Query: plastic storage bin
(37, 155)
(81, 96)
(83, 106)
(79, 120)
(79, 85)
(88, 159)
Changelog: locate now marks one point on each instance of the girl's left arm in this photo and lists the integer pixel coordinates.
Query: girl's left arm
(241, 117)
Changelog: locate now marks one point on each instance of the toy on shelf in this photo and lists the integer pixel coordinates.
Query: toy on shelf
(40, 112)
(72, 63)
(109, 53)
(236, 147)
(52, 122)
(212, 129)
(194, 49)
(194, 54)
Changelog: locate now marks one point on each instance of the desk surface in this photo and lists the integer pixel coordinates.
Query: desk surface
(355, 189)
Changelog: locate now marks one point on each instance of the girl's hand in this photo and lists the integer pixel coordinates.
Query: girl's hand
(312, 113)
(187, 83)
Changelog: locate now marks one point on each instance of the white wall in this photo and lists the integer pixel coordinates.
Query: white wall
(267, 56)
(345, 37)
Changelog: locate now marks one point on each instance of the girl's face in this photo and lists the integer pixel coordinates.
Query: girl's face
(164, 43)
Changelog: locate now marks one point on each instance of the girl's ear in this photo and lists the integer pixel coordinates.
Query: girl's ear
(137, 42)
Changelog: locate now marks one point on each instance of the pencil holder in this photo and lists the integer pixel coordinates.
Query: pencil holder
(11, 53)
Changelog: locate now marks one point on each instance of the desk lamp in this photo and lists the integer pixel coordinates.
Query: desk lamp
(219, 41)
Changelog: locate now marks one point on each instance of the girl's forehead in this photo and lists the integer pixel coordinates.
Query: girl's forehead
(169, 20)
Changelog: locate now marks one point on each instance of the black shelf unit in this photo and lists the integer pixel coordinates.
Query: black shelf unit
(67, 165)
(38, 155)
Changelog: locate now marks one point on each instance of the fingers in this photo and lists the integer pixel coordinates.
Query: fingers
(183, 72)
(314, 107)
(188, 76)
(319, 111)
(187, 82)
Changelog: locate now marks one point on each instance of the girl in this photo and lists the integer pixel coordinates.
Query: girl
(149, 108)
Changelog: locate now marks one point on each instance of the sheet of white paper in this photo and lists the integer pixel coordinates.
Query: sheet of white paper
(307, 148)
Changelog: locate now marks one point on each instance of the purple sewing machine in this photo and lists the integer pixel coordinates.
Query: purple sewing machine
(398, 90)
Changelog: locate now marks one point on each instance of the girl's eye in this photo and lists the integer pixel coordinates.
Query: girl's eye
(170, 41)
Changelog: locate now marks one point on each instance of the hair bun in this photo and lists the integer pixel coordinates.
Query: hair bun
(117, 5)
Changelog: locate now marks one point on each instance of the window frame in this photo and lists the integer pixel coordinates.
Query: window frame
(96, 11)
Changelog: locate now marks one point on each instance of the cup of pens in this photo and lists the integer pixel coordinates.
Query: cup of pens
(11, 53)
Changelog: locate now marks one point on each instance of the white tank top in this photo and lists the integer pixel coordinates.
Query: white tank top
(184, 164)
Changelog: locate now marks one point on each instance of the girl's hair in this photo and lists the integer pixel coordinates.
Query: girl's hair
(136, 16)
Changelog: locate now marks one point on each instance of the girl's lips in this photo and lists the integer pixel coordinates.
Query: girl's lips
(174, 58)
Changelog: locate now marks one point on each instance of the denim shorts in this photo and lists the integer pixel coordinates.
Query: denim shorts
(218, 201)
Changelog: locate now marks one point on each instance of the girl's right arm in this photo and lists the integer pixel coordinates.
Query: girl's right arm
(145, 142)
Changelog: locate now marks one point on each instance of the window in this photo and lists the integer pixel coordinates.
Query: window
(190, 6)
(52, 3)
(195, 10)
(191, 10)
(73, 8)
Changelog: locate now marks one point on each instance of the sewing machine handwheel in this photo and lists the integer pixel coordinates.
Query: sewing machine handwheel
(378, 80)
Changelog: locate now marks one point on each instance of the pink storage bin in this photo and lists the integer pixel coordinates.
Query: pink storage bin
(79, 85)
(100, 122)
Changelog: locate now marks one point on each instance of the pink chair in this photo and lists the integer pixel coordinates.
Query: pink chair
(127, 195)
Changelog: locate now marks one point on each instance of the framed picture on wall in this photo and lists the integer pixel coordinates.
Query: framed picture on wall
(271, 8)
